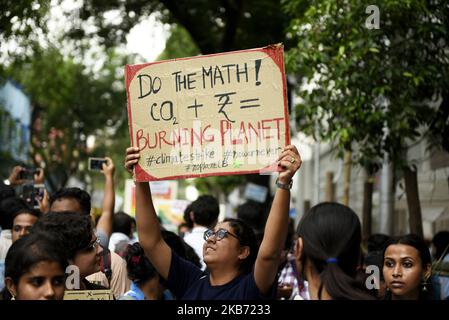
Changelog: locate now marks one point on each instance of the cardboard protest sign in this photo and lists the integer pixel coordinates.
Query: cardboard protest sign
(88, 295)
(217, 114)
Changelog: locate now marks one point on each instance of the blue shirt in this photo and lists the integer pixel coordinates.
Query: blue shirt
(188, 282)
(133, 294)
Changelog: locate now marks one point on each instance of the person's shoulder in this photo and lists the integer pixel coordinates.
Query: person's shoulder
(93, 286)
(187, 237)
(131, 295)
(6, 234)
(117, 259)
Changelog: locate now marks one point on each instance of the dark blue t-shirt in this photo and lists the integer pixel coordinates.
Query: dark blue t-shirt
(188, 282)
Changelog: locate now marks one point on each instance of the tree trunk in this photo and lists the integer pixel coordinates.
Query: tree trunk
(330, 192)
(367, 207)
(307, 206)
(347, 177)
(413, 203)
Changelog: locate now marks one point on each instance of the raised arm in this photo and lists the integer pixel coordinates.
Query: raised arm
(148, 227)
(14, 176)
(276, 227)
(105, 221)
(44, 203)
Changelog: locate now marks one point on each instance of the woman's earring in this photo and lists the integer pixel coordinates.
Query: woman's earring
(424, 285)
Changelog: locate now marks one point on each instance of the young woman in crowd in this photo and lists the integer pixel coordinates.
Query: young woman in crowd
(407, 269)
(328, 252)
(35, 269)
(228, 250)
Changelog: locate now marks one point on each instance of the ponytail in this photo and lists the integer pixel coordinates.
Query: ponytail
(341, 286)
(331, 234)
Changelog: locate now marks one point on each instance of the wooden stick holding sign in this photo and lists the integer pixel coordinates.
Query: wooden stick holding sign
(209, 115)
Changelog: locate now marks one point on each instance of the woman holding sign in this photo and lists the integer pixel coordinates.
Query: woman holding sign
(229, 250)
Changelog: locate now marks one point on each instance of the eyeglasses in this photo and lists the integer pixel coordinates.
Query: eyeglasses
(93, 245)
(219, 234)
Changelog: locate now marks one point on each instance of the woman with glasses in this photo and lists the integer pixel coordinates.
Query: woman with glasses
(234, 269)
(76, 235)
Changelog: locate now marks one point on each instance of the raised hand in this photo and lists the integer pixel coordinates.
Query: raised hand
(131, 159)
(108, 168)
(39, 176)
(14, 177)
(289, 161)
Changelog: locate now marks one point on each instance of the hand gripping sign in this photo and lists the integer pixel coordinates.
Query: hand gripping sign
(209, 115)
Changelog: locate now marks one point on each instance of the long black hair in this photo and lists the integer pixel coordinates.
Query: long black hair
(418, 243)
(27, 252)
(182, 249)
(247, 238)
(139, 268)
(331, 236)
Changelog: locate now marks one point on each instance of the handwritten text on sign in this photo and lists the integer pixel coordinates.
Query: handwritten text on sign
(209, 115)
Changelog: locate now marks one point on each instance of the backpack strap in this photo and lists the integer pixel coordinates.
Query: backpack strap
(106, 264)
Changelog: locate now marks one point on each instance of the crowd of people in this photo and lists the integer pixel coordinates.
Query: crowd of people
(58, 247)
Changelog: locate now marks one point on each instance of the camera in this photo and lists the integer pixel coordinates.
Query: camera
(31, 193)
(96, 164)
(28, 173)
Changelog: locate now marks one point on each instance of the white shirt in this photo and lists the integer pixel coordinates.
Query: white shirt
(195, 240)
(5, 243)
(115, 238)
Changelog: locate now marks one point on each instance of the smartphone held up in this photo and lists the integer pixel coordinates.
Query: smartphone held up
(96, 164)
(27, 173)
(33, 194)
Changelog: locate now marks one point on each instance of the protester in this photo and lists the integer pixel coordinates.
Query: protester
(374, 258)
(113, 268)
(74, 232)
(35, 269)
(229, 250)
(23, 221)
(78, 200)
(8, 208)
(407, 269)
(203, 215)
(377, 242)
(145, 279)
(122, 230)
(17, 176)
(329, 252)
(440, 243)
(291, 284)
(183, 229)
(255, 215)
